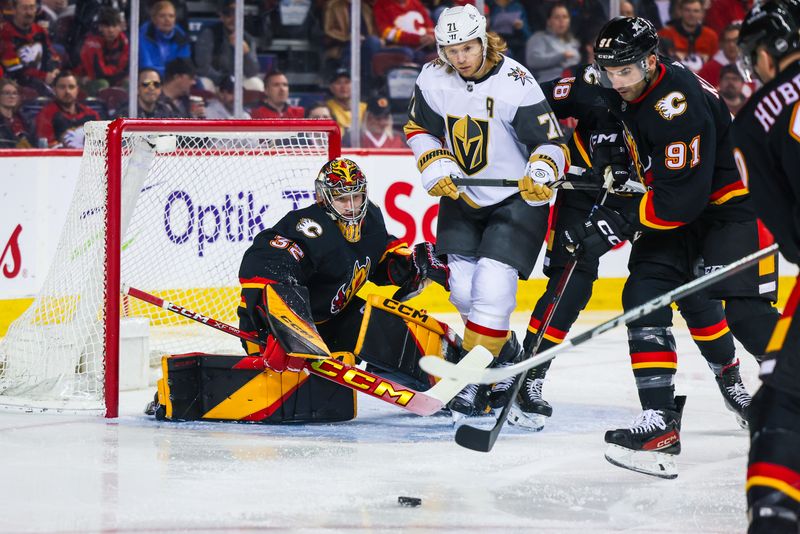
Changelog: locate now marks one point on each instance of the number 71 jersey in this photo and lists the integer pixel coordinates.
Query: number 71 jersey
(490, 124)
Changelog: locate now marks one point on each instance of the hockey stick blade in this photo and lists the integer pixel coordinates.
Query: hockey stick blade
(490, 376)
(447, 388)
(417, 402)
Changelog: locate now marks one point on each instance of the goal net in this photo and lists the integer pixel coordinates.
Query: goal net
(169, 207)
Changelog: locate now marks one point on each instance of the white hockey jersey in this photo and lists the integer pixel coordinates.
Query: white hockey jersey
(490, 124)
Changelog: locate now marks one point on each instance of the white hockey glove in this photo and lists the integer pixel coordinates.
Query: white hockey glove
(546, 164)
(437, 167)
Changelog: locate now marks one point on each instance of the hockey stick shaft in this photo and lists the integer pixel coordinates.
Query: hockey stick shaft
(490, 376)
(420, 403)
(503, 182)
(483, 440)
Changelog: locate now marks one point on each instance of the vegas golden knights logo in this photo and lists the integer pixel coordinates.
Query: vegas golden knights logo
(470, 140)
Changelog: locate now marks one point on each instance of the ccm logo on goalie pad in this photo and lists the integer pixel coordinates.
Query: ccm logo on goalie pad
(364, 382)
(402, 309)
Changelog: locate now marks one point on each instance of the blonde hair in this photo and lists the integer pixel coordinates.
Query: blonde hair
(495, 46)
(159, 6)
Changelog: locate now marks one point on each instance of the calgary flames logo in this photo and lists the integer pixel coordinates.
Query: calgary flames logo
(348, 290)
(672, 105)
(10, 257)
(343, 172)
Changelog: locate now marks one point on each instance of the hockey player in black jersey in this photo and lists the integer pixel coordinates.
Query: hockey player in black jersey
(767, 139)
(326, 252)
(677, 134)
(597, 145)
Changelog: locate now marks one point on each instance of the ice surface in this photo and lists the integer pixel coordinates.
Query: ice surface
(78, 474)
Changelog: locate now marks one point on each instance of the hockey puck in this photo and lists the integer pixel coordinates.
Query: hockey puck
(409, 501)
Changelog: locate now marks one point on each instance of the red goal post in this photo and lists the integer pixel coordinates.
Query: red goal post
(63, 353)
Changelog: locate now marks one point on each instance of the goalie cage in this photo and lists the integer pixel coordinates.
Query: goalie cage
(178, 201)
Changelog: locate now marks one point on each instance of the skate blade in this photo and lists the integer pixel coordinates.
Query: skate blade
(739, 419)
(654, 463)
(533, 422)
(486, 420)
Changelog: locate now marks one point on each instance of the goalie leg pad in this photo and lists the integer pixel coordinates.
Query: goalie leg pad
(394, 336)
(239, 388)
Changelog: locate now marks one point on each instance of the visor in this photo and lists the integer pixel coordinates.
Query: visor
(624, 76)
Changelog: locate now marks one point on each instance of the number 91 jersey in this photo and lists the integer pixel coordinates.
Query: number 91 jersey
(490, 124)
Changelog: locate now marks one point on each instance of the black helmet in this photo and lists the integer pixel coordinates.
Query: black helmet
(772, 24)
(625, 40)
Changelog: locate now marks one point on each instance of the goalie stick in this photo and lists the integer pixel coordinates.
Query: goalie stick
(482, 440)
(489, 376)
(419, 402)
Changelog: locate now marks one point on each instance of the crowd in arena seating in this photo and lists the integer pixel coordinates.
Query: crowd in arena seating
(64, 62)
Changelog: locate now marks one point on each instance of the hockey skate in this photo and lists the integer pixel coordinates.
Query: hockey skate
(530, 410)
(510, 354)
(650, 444)
(471, 404)
(736, 397)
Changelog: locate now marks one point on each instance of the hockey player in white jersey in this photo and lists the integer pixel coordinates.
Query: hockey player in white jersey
(476, 113)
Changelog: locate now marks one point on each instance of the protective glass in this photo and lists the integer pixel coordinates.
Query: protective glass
(623, 76)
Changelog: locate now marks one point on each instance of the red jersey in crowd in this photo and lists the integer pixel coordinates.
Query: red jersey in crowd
(402, 22)
(265, 111)
(63, 129)
(27, 54)
(102, 60)
(693, 49)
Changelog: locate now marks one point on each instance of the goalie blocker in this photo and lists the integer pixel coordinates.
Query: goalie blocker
(391, 338)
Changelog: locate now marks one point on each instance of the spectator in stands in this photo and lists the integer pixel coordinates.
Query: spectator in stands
(378, 131)
(275, 104)
(215, 46)
(694, 42)
(15, 131)
(554, 49)
(626, 9)
(510, 21)
(727, 54)
(406, 23)
(318, 110)
(341, 91)
(176, 90)
(731, 88)
(26, 53)
(337, 34)
(160, 39)
(104, 55)
(656, 11)
(149, 104)
(53, 12)
(722, 13)
(222, 106)
(61, 121)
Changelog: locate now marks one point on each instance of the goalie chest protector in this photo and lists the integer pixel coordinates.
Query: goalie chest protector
(217, 387)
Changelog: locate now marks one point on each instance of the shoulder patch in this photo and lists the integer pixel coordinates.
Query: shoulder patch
(672, 105)
(309, 227)
(519, 75)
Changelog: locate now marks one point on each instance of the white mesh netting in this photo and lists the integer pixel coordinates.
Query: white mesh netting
(190, 208)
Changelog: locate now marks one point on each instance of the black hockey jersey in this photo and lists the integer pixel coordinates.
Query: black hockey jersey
(767, 139)
(306, 248)
(677, 133)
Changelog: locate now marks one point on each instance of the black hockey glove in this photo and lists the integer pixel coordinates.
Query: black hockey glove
(603, 230)
(608, 151)
(413, 273)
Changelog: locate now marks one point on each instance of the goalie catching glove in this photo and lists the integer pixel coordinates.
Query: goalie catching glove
(438, 167)
(603, 230)
(414, 269)
(547, 164)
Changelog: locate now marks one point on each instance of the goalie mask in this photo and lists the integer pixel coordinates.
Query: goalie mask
(341, 188)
